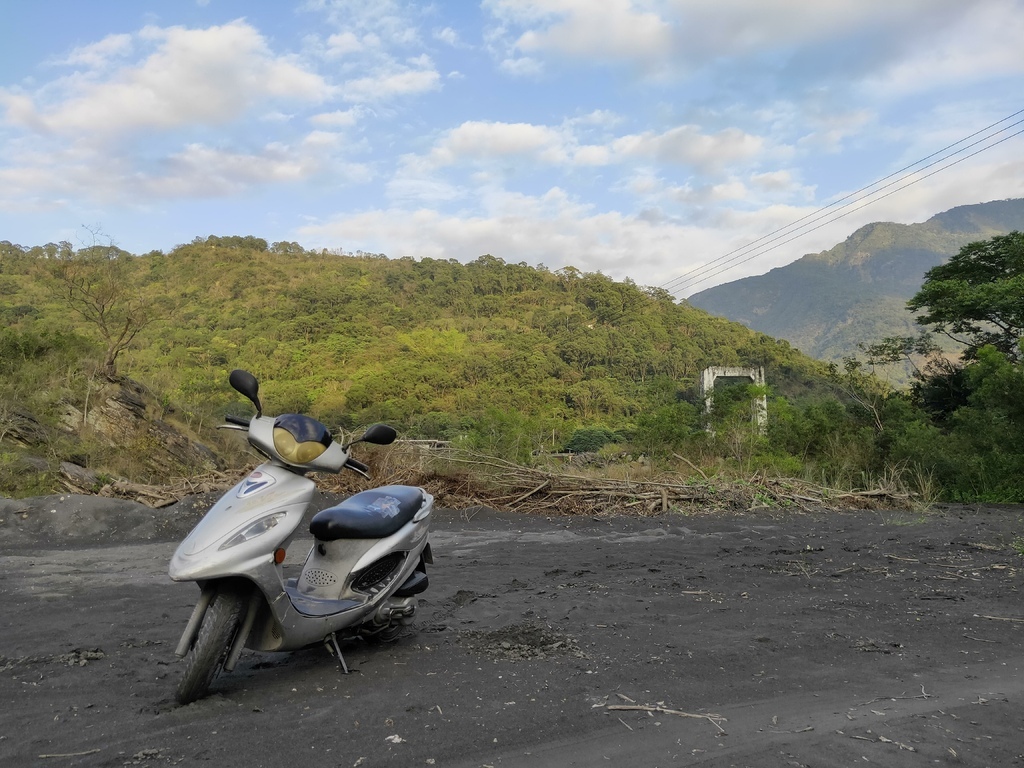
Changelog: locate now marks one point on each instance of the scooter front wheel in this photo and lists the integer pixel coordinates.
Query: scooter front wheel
(212, 644)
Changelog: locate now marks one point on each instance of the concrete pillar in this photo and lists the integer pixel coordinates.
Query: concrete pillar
(756, 375)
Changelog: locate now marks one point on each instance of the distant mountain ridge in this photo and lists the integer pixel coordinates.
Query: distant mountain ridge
(826, 303)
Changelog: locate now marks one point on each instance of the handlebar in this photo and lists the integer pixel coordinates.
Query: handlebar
(357, 465)
(236, 420)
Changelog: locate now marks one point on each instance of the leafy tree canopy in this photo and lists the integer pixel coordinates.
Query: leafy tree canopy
(977, 297)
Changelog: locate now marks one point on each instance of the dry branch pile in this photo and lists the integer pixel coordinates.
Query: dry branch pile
(460, 479)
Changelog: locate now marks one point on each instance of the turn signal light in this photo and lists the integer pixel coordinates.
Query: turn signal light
(279, 555)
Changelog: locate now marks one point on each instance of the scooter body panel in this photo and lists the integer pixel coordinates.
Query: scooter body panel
(325, 598)
(271, 494)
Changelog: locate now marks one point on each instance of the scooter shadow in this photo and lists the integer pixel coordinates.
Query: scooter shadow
(260, 674)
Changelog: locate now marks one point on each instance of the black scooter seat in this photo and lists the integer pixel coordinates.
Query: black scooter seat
(372, 514)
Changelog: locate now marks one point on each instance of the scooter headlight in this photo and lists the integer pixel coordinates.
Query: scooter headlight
(294, 451)
(300, 439)
(258, 528)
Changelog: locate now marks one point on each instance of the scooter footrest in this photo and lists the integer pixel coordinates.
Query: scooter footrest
(415, 584)
(316, 606)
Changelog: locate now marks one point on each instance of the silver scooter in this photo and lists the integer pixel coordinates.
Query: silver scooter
(360, 579)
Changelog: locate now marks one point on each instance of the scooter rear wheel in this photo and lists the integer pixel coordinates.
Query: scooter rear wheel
(389, 634)
(213, 641)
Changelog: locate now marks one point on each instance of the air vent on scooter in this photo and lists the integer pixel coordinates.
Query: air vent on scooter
(376, 576)
(317, 578)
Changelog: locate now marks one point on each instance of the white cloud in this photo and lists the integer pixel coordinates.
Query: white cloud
(197, 171)
(729, 191)
(687, 145)
(393, 81)
(393, 22)
(208, 76)
(617, 29)
(423, 190)
(551, 228)
(829, 129)
(601, 118)
(275, 116)
(338, 118)
(20, 110)
(483, 142)
(985, 43)
(521, 66)
(99, 55)
(686, 201)
(344, 43)
(593, 155)
(214, 171)
(682, 35)
(780, 182)
(371, 48)
(730, 27)
(477, 141)
(448, 36)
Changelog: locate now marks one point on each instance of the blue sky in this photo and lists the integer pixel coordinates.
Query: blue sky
(646, 139)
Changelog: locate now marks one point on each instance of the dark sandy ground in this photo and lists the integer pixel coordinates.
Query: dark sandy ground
(860, 638)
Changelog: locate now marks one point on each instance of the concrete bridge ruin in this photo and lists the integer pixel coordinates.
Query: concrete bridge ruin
(709, 376)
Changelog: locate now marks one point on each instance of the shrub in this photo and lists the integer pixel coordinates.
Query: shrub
(590, 440)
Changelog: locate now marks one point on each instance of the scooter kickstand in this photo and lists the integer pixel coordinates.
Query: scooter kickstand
(337, 650)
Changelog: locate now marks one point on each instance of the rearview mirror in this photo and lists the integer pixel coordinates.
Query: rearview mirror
(379, 434)
(245, 383)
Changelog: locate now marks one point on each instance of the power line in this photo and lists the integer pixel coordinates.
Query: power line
(803, 225)
(691, 277)
(821, 212)
(723, 268)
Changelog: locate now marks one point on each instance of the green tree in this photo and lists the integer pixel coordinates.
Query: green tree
(861, 389)
(976, 420)
(976, 451)
(902, 349)
(977, 297)
(667, 428)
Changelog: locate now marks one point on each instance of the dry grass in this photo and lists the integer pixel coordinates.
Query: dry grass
(461, 479)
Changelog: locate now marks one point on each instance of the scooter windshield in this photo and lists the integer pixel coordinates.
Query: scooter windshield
(300, 439)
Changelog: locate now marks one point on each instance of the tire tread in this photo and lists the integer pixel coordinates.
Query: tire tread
(213, 641)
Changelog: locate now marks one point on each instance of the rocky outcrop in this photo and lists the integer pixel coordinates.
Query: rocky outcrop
(21, 427)
(125, 416)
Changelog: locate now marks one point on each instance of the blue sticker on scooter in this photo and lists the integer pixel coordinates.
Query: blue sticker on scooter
(254, 483)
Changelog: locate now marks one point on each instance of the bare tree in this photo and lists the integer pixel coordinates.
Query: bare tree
(95, 283)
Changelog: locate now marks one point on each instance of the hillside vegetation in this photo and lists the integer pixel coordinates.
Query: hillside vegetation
(514, 358)
(357, 338)
(505, 360)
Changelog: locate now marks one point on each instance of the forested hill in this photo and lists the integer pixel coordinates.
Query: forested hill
(430, 345)
(825, 304)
